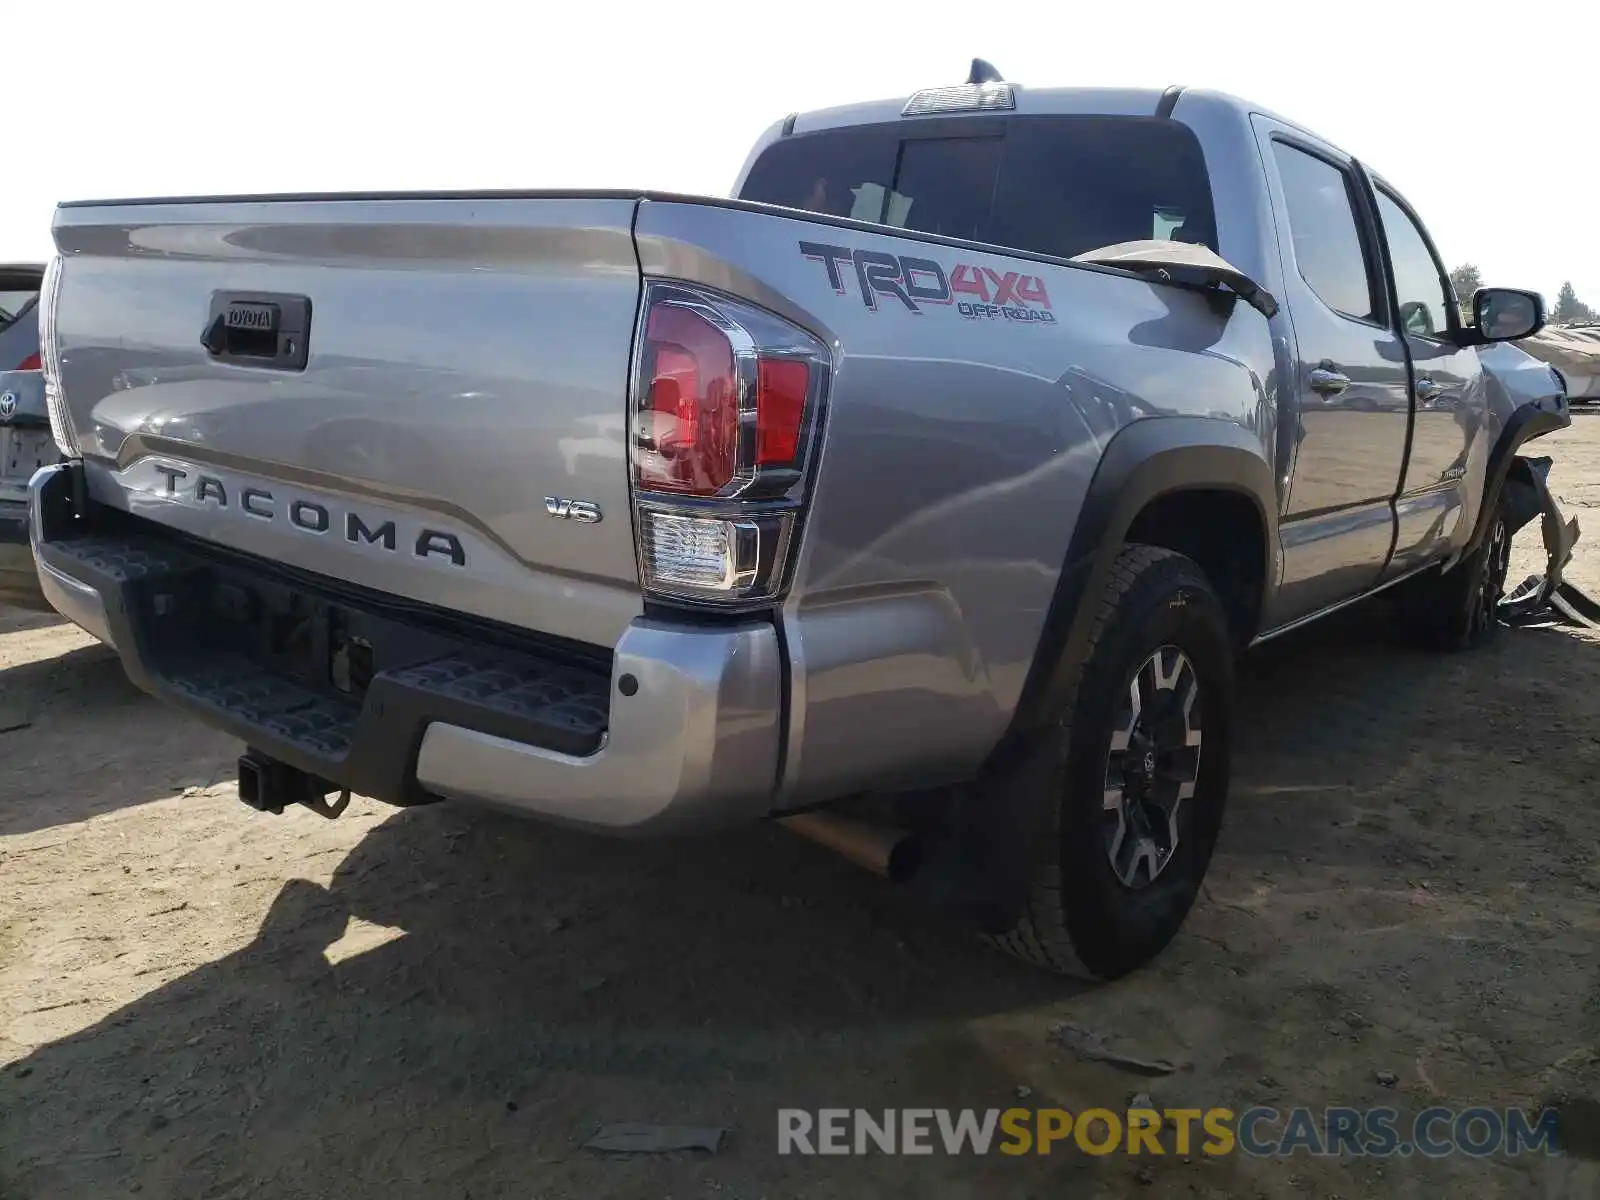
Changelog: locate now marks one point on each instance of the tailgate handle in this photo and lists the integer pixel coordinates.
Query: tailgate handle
(271, 330)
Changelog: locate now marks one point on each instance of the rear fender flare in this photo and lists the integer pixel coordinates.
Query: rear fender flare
(1144, 461)
(982, 866)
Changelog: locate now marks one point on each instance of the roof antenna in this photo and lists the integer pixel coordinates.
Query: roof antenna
(984, 72)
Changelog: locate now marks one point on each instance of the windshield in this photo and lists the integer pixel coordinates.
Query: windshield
(1051, 185)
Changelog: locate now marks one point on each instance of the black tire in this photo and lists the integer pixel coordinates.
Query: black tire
(1458, 609)
(1081, 918)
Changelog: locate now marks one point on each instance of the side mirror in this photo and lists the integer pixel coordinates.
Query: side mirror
(1506, 315)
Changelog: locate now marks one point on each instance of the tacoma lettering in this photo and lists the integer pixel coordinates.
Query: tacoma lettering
(355, 530)
(318, 518)
(310, 517)
(431, 541)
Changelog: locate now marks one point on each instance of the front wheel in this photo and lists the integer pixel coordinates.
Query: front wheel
(1460, 609)
(1138, 776)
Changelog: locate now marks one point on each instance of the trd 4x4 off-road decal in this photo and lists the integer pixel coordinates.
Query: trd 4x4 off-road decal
(979, 293)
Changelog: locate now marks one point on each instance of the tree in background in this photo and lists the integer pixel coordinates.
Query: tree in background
(1466, 279)
(1569, 309)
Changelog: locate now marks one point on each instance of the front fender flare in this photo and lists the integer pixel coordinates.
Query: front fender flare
(1525, 423)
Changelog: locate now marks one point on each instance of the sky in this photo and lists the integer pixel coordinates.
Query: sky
(1489, 127)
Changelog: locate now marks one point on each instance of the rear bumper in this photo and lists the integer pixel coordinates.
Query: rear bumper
(680, 730)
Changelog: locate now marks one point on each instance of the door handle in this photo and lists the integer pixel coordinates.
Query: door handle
(1328, 383)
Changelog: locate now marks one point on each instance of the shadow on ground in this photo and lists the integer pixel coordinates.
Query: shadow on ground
(539, 971)
(529, 984)
(1348, 741)
(54, 708)
(20, 620)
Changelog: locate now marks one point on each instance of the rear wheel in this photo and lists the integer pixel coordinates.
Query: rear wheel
(1137, 775)
(1460, 609)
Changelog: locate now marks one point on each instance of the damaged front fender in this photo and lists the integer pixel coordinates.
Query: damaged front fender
(1526, 400)
(1516, 379)
(1527, 495)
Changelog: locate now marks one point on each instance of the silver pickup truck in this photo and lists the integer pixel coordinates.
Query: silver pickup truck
(950, 464)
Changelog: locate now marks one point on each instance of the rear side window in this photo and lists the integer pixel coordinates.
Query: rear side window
(1049, 185)
(1328, 249)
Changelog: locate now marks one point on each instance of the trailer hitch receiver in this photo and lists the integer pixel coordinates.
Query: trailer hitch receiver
(268, 784)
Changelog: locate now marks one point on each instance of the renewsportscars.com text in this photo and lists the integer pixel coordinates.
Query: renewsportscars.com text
(1258, 1132)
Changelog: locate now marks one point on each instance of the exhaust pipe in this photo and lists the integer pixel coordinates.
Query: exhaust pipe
(892, 853)
(971, 876)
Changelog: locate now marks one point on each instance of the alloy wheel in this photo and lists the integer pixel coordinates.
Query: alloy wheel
(1152, 766)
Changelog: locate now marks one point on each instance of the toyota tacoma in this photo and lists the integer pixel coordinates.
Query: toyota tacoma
(952, 460)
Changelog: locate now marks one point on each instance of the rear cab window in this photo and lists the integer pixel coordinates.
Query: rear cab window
(1053, 185)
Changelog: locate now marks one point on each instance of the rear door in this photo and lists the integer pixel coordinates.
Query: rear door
(1348, 397)
(1449, 440)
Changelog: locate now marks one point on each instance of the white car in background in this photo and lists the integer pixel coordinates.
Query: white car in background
(1574, 352)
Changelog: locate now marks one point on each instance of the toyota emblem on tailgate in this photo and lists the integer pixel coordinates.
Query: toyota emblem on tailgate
(8, 403)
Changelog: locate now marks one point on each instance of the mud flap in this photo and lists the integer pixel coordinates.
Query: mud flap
(1527, 495)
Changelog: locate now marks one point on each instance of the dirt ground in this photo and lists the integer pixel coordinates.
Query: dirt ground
(199, 1001)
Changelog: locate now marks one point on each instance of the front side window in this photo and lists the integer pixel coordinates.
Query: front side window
(1322, 227)
(1418, 282)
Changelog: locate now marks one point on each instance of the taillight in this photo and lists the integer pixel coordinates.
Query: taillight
(781, 391)
(726, 398)
(32, 363)
(688, 422)
(55, 400)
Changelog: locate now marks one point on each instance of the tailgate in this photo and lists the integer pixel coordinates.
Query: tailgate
(410, 394)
